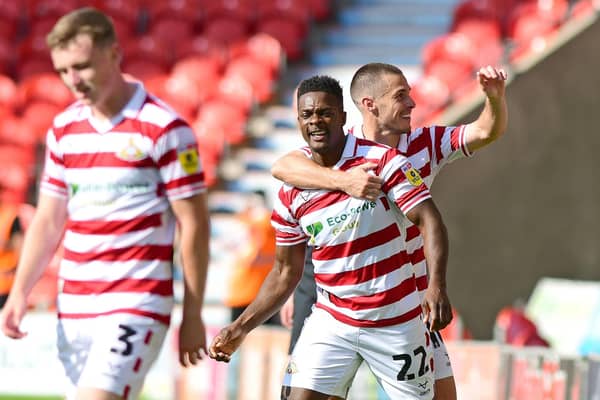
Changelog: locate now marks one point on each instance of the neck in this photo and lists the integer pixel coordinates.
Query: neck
(372, 131)
(115, 101)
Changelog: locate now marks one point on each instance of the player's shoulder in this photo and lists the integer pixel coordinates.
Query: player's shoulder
(156, 112)
(74, 113)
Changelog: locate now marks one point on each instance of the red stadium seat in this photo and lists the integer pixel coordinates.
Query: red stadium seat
(200, 45)
(222, 115)
(34, 46)
(237, 91)
(39, 116)
(226, 30)
(453, 73)
(264, 48)
(34, 66)
(172, 29)
(453, 47)
(319, 9)
(293, 11)
(287, 33)
(530, 19)
(513, 327)
(486, 36)
(150, 48)
(204, 72)
(430, 94)
(15, 131)
(46, 87)
(258, 75)
(50, 8)
(184, 10)
(143, 70)
(241, 9)
(10, 14)
(8, 93)
(125, 11)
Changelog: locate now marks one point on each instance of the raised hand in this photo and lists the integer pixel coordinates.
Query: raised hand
(492, 81)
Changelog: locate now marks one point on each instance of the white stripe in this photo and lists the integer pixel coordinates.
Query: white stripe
(106, 302)
(105, 271)
(83, 243)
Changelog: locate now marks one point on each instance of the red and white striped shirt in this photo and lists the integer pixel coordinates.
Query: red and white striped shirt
(428, 149)
(363, 273)
(118, 178)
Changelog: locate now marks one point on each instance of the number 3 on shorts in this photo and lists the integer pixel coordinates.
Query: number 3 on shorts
(407, 360)
(127, 333)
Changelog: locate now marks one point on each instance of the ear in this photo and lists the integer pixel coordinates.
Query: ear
(368, 104)
(116, 52)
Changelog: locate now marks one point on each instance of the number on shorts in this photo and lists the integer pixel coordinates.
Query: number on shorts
(128, 332)
(407, 362)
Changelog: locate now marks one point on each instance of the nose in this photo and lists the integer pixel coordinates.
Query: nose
(72, 78)
(410, 103)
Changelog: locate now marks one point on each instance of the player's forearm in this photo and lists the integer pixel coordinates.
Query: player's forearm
(297, 170)
(435, 246)
(490, 125)
(40, 244)
(277, 287)
(194, 247)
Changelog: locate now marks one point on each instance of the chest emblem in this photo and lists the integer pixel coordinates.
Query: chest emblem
(131, 152)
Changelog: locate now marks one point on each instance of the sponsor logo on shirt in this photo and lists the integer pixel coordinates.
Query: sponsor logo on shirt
(131, 152)
(412, 174)
(314, 230)
(188, 159)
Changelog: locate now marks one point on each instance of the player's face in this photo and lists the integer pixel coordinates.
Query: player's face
(395, 104)
(87, 70)
(321, 117)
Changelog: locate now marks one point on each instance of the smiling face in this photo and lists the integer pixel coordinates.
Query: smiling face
(394, 104)
(321, 117)
(89, 71)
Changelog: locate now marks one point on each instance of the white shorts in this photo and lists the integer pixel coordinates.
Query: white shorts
(111, 353)
(441, 360)
(329, 352)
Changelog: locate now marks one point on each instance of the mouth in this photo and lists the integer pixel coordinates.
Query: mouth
(319, 134)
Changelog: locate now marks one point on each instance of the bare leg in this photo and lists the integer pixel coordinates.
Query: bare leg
(445, 389)
(96, 394)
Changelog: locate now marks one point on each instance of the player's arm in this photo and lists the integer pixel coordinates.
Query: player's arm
(193, 218)
(275, 290)
(493, 120)
(436, 305)
(296, 169)
(40, 243)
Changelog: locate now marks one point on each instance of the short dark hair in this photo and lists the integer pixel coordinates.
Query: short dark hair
(86, 20)
(367, 80)
(320, 83)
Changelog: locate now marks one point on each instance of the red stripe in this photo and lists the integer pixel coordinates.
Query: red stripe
(152, 286)
(366, 273)
(148, 337)
(55, 159)
(321, 202)
(412, 194)
(185, 181)
(55, 182)
(167, 158)
(420, 197)
(165, 319)
(414, 313)
(423, 141)
(421, 283)
(425, 171)
(275, 217)
(89, 160)
(115, 227)
(358, 245)
(412, 232)
(126, 391)
(375, 300)
(137, 365)
(148, 252)
(455, 136)
(417, 256)
(439, 134)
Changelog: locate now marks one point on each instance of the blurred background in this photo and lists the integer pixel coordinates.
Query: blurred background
(523, 215)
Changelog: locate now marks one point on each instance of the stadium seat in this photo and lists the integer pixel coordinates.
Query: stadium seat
(127, 12)
(184, 10)
(200, 45)
(320, 10)
(203, 72)
(295, 12)
(172, 29)
(430, 94)
(34, 66)
(49, 8)
(10, 15)
(237, 91)
(243, 10)
(264, 48)
(148, 48)
(218, 114)
(486, 36)
(47, 87)
(226, 30)
(143, 70)
(15, 131)
(454, 47)
(256, 73)
(287, 33)
(39, 116)
(8, 93)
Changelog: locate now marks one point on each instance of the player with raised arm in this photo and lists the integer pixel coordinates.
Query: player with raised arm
(121, 170)
(382, 94)
(366, 287)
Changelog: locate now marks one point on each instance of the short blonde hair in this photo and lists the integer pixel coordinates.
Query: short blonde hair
(85, 20)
